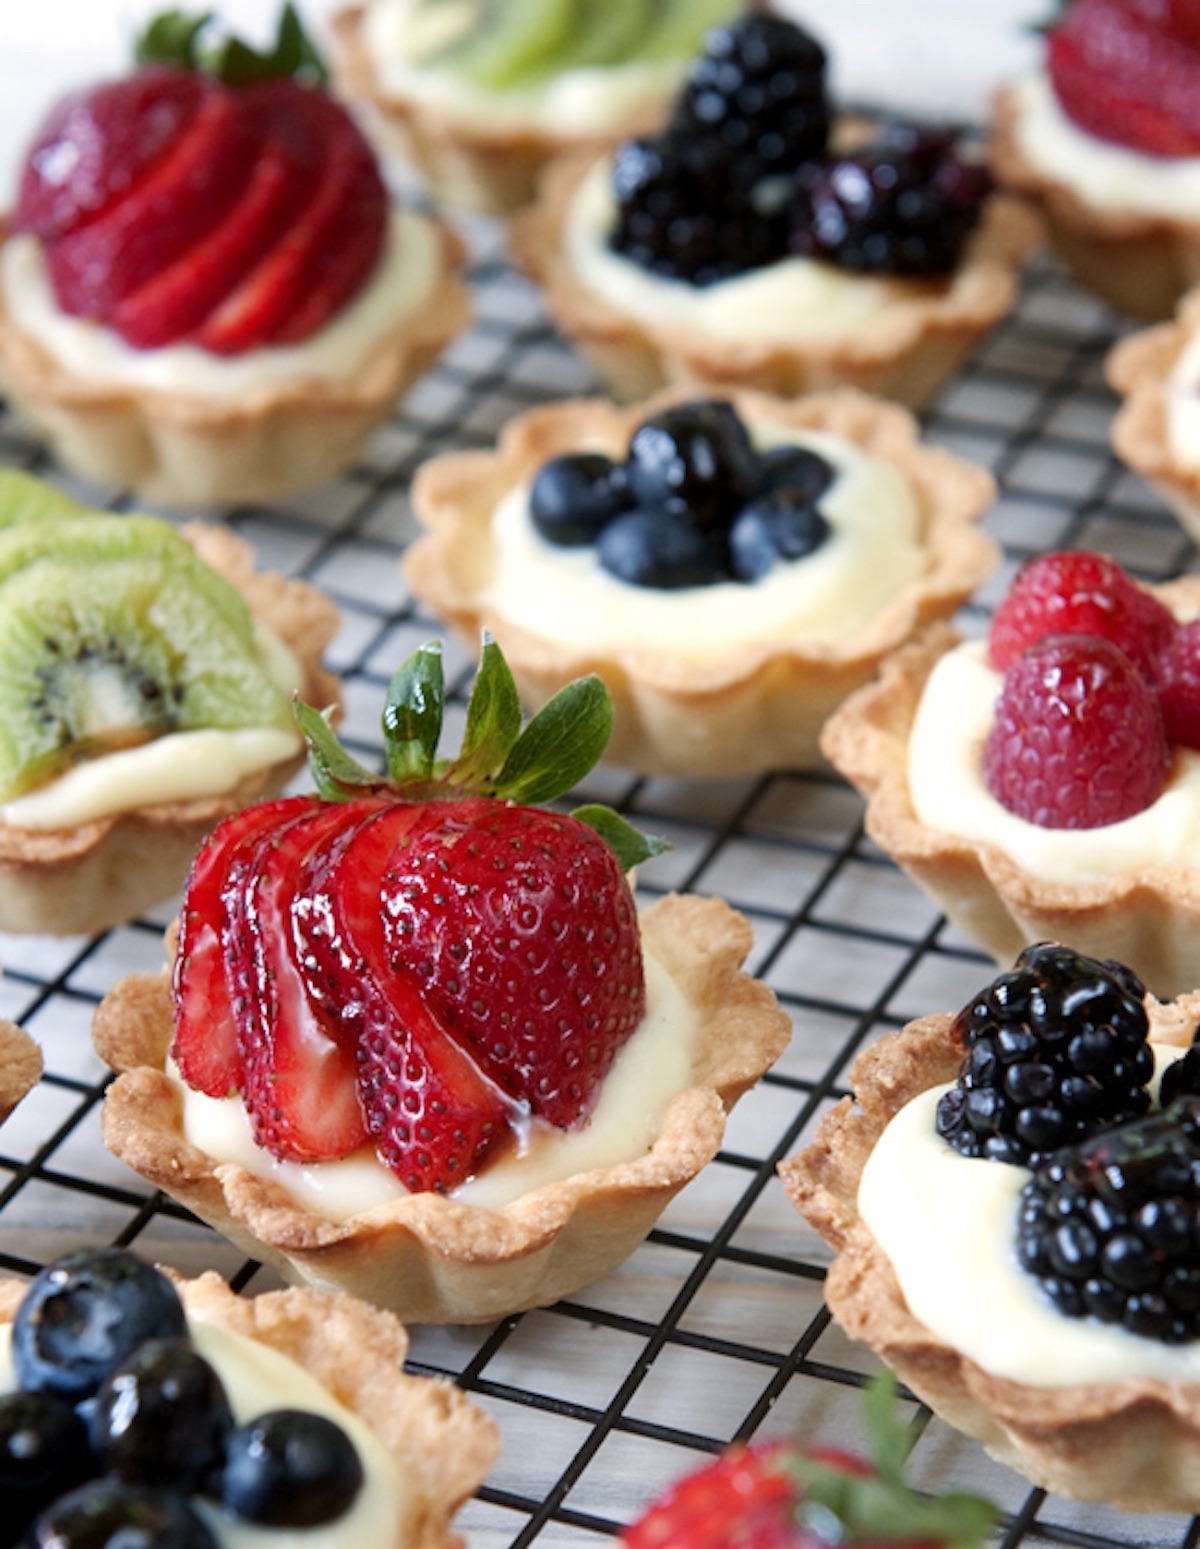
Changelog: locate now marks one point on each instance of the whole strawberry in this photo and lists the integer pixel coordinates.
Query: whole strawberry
(422, 961)
(771, 1495)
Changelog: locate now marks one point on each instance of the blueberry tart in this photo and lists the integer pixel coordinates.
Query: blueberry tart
(1011, 1199)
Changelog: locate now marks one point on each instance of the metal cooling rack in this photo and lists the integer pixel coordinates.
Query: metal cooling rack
(715, 1328)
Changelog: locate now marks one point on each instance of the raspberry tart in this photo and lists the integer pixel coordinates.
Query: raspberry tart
(417, 1044)
(1043, 783)
(1105, 141)
(751, 244)
(479, 97)
(1025, 1153)
(138, 1406)
(146, 688)
(216, 302)
(744, 563)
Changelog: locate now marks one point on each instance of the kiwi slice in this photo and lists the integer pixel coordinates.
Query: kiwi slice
(495, 43)
(680, 27)
(605, 32)
(90, 664)
(26, 499)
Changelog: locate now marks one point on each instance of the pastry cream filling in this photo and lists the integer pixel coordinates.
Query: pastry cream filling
(183, 766)
(793, 299)
(948, 1225)
(945, 782)
(404, 278)
(1107, 176)
(653, 1066)
(571, 102)
(258, 1379)
(872, 552)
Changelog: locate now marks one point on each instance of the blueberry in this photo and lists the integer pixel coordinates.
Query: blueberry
(109, 1514)
(572, 498)
(773, 527)
(290, 1468)
(649, 548)
(694, 460)
(161, 1417)
(86, 1312)
(800, 470)
(43, 1453)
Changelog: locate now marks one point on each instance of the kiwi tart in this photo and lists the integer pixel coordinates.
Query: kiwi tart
(479, 95)
(144, 695)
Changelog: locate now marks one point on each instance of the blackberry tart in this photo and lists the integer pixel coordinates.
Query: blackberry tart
(759, 241)
(1056, 1321)
(716, 561)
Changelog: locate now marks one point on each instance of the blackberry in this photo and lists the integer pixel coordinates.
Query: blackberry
(1055, 1051)
(758, 89)
(904, 205)
(1111, 1227)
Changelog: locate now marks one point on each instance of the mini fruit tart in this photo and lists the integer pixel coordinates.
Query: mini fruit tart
(998, 1197)
(145, 695)
(742, 247)
(154, 1409)
(478, 97)
(417, 1044)
(215, 302)
(20, 1066)
(1105, 142)
(1045, 782)
(732, 568)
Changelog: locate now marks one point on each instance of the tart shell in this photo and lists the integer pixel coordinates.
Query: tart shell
(1134, 1444)
(425, 1256)
(443, 1445)
(1148, 919)
(189, 451)
(20, 1066)
(756, 706)
(80, 880)
(906, 353)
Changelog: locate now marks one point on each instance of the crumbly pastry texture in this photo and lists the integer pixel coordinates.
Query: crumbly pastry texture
(428, 1257)
(88, 878)
(20, 1066)
(761, 704)
(191, 451)
(1134, 1444)
(1149, 919)
(1141, 264)
(444, 1445)
(905, 354)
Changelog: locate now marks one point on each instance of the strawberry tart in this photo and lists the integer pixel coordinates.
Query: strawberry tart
(417, 1044)
(1105, 141)
(1043, 783)
(204, 293)
(1011, 1197)
(732, 567)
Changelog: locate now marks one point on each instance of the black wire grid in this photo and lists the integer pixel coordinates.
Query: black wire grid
(715, 1328)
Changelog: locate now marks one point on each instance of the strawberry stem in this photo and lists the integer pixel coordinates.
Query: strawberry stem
(183, 38)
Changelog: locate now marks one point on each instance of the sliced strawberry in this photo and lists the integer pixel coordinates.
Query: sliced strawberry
(433, 1115)
(187, 193)
(98, 145)
(205, 1045)
(520, 929)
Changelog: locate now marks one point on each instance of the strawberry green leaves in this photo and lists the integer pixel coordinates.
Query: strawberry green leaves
(530, 765)
(194, 42)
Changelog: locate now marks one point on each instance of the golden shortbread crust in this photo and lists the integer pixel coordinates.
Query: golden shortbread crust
(428, 1257)
(1135, 1444)
(757, 706)
(20, 1066)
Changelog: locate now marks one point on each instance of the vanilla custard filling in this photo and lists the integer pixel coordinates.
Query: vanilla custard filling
(948, 1225)
(1109, 177)
(404, 279)
(872, 552)
(258, 1379)
(653, 1066)
(945, 783)
(181, 766)
(792, 300)
(592, 100)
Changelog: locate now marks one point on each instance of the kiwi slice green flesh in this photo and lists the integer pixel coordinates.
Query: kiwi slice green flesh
(90, 665)
(681, 25)
(605, 32)
(508, 40)
(26, 499)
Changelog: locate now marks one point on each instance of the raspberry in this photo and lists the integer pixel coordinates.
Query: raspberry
(1077, 592)
(1179, 686)
(1077, 740)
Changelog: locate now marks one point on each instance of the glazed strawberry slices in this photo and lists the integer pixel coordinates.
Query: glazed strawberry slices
(421, 962)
